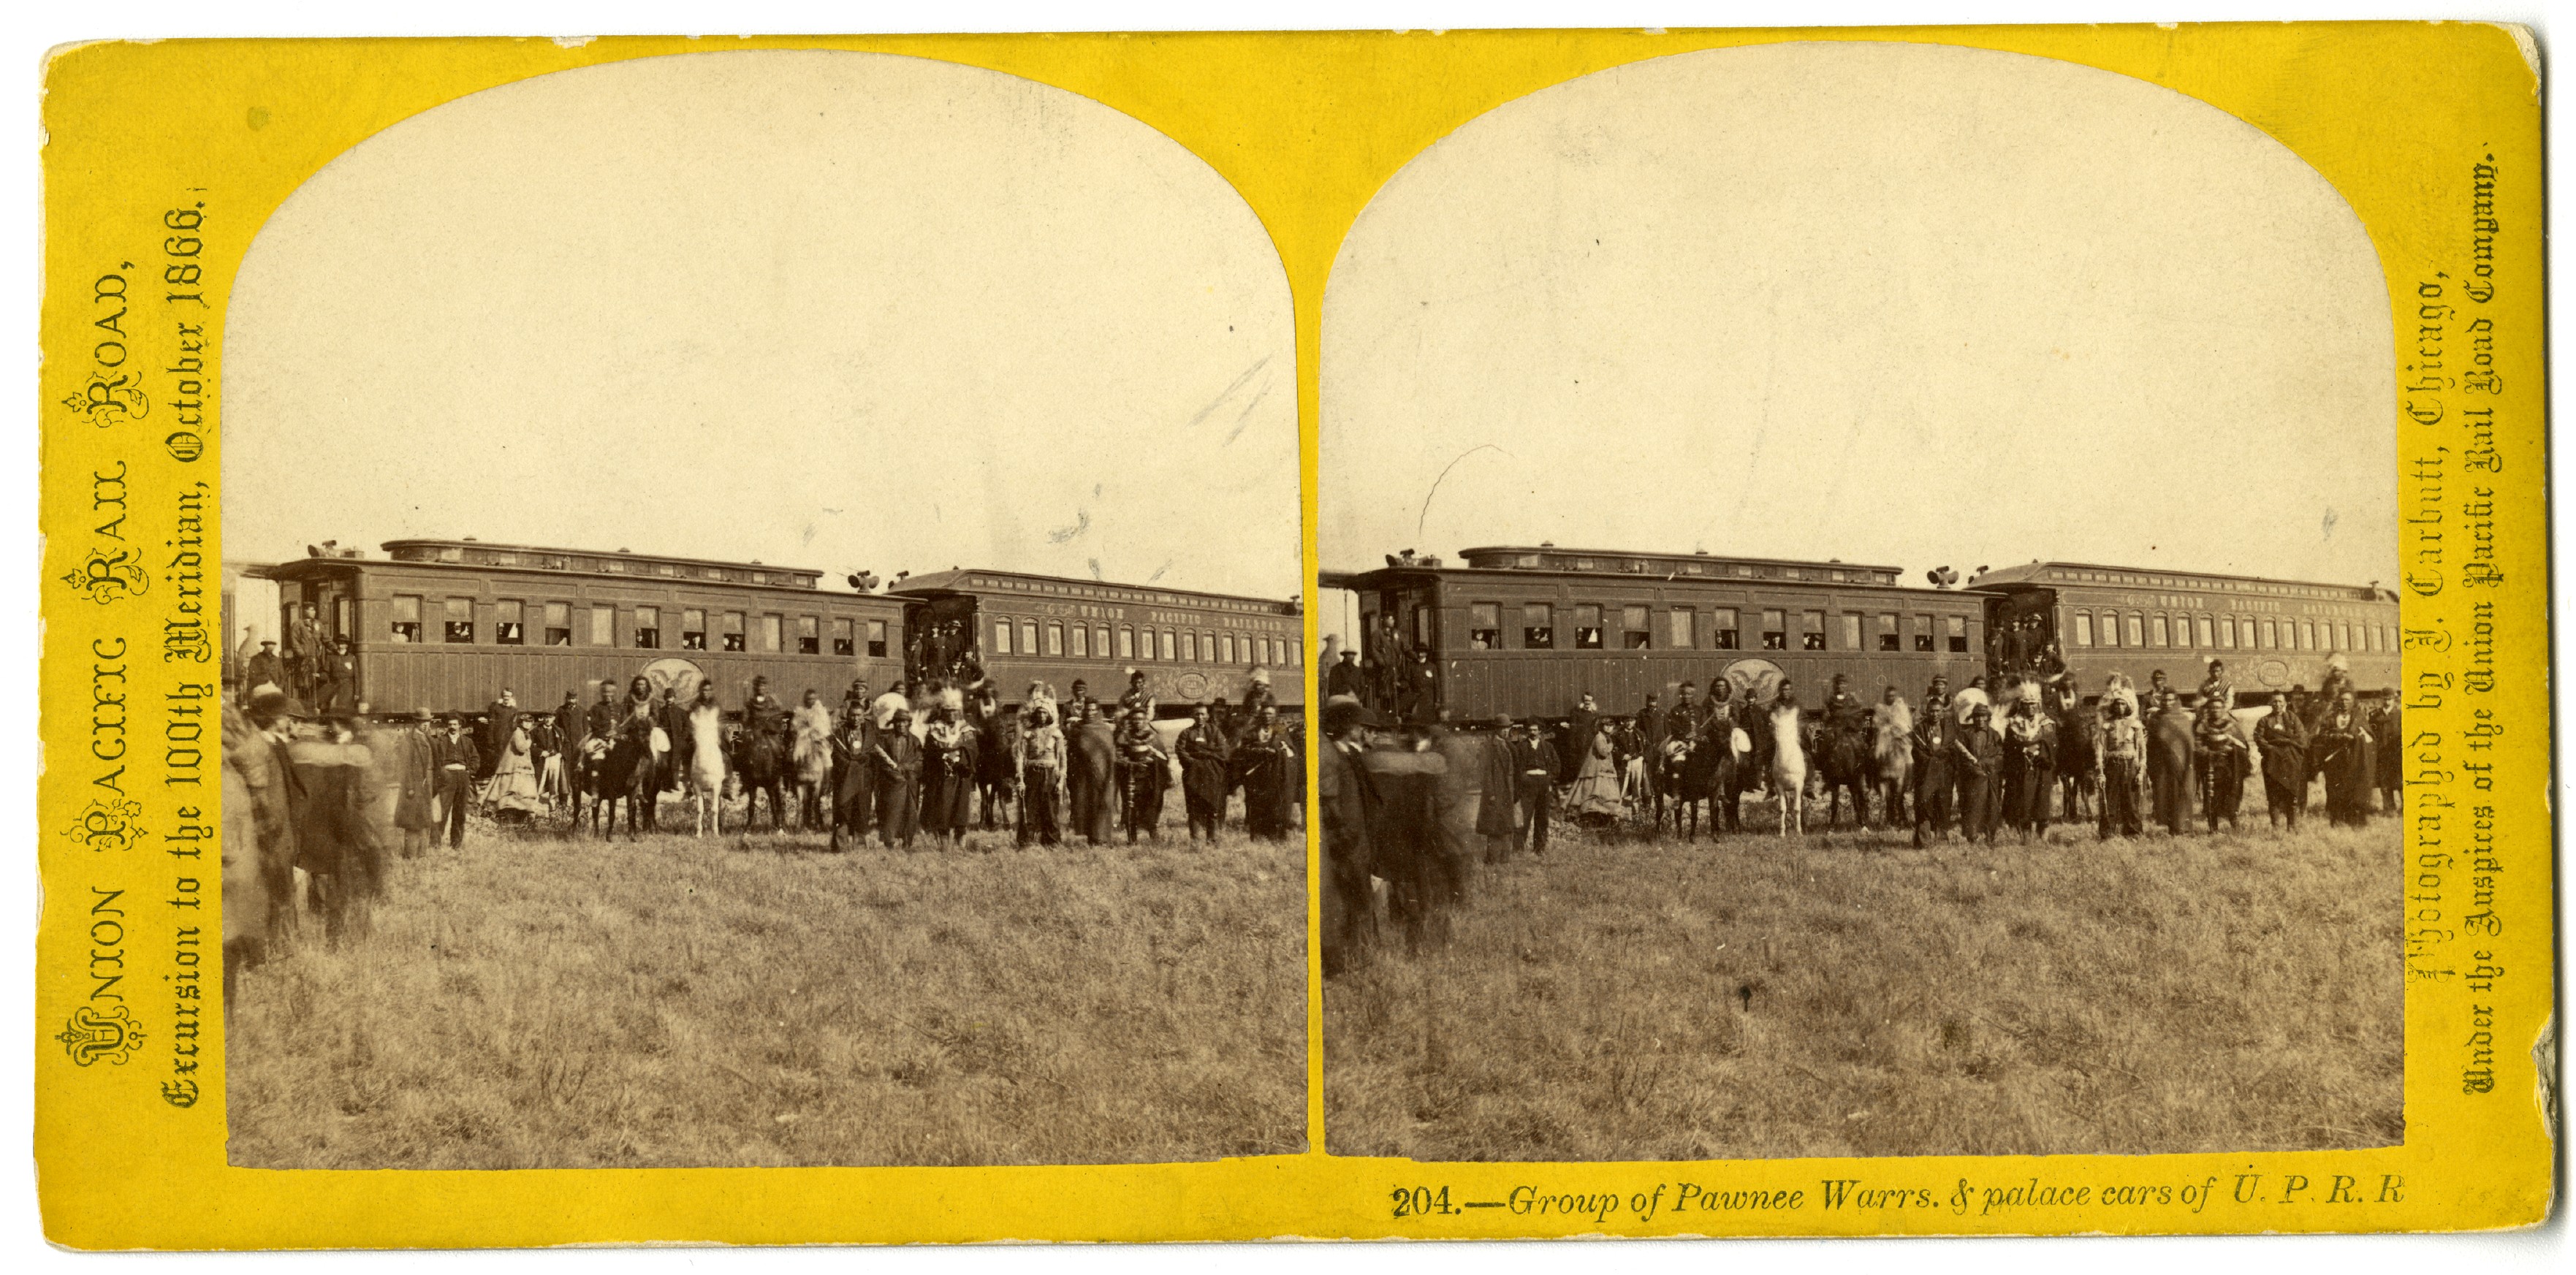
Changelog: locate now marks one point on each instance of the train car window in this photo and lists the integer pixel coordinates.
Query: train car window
(2159, 637)
(730, 636)
(2137, 629)
(340, 617)
(1923, 633)
(1811, 631)
(1484, 626)
(1958, 634)
(2084, 628)
(2226, 633)
(648, 628)
(1100, 641)
(1888, 637)
(406, 617)
(1851, 632)
(509, 622)
(877, 639)
(1126, 644)
(1725, 629)
(1296, 653)
(769, 626)
(809, 637)
(2307, 635)
(1538, 627)
(1055, 639)
(1775, 630)
(1587, 626)
(2205, 632)
(2245, 634)
(1001, 637)
(693, 628)
(1681, 629)
(2269, 639)
(1082, 641)
(1225, 649)
(558, 624)
(1167, 644)
(1028, 637)
(1422, 628)
(842, 641)
(460, 619)
(2343, 637)
(1634, 631)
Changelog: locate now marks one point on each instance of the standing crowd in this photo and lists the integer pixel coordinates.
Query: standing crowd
(1410, 806)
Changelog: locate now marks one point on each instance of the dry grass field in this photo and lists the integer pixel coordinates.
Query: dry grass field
(1850, 995)
(535, 1002)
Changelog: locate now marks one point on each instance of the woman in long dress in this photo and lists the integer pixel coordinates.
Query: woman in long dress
(1596, 799)
(512, 793)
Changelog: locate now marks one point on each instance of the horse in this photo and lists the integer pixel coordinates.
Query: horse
(760, 764)
(704, 780)
(996, 774)
(1697, 770)
(811, 759)
(1892, 755)
(1843, 756)
(622, 771)
(2079, 754)
(1789, 768)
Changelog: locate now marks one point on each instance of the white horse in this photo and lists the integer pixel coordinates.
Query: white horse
(1894, 753)
(706, 777)
(1789, 769)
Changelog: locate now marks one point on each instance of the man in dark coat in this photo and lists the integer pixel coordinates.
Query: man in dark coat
(1935, 772)
(894, 762)
(1265, 765)
(496, 731)
(1585, 722)
(1977, 755)
(1535, 767)
(1203, 754)
(334, 844)
(264, 669)
(673, 717)
(1345, 678)
(853, 779)
(1402, 796)
(1144, 771)
(2391, 769)
(1349, 901)
(601, 722)
(415, 812)
(2283, 739)
(2170, 747)
(453, 755)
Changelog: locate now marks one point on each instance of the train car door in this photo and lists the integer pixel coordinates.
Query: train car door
(2022, 636)
(938, 635)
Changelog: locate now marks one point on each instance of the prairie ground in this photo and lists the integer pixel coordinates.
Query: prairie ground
(531, 1001)
(1626, 999)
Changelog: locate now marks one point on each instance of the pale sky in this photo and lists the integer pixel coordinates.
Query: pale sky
(1904, 304)
(835, 310)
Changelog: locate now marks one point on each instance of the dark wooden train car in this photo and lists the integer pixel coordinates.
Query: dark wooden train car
(2273, 634)
(1194, 648)
(1524, 631)
(446, 625)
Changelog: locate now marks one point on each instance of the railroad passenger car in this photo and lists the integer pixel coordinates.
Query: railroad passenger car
(446, 625)
(1524, 630)
(2273, 634)
(1021, 628)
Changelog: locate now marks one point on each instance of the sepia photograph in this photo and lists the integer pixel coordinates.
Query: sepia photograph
(1857, 618)
(764, 627)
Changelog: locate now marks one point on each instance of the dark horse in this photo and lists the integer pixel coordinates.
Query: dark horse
(1693, 771)
(762, 761)
(2079, 751)
(1845, 757)
(996, 774)
(611, 773)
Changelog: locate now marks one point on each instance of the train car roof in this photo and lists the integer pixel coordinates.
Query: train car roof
(2045, 574)
(477, 557)
(1691, 569)
(981, 580)
(1636, 562)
